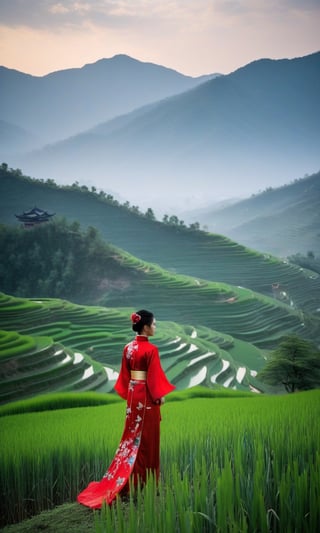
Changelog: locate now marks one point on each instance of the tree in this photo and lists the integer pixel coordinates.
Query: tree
(173, 220)
(149, 214)
(195, 226)
(295, 364)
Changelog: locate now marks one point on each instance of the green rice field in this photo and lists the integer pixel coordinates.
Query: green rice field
(52, 345)
(236, 464)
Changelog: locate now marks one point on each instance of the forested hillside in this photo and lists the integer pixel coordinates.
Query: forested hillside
(58, 260)
(170, 244)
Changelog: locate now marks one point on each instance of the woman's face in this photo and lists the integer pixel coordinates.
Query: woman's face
(150, 330)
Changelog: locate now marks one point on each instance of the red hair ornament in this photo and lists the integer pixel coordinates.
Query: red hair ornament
(135, 318)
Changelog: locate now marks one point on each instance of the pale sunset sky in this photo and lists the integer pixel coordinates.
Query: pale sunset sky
(194, 37)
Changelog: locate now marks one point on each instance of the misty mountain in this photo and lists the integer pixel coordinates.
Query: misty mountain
(230, 136)
(14, 138)
(65, 102)
(282, 221)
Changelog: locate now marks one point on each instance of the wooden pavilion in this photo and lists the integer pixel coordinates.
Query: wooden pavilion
(34, 217)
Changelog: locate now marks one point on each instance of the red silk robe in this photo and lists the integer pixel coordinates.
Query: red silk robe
(139, 450)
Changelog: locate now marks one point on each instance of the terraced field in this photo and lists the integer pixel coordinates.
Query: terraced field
(32, 365)
(211, 334)
(235, 310)
(54, 345)
(217, 258)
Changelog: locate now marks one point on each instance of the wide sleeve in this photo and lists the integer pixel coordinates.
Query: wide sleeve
(157, 381)
(122, 383)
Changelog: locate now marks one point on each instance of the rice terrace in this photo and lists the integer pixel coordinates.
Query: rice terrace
(238, 454)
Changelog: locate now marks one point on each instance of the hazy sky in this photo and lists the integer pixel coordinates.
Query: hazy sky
(192, 36)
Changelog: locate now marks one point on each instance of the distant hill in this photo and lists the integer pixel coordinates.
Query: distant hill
(281, 221)
(66, 102)
(234, 135)
(14, 138)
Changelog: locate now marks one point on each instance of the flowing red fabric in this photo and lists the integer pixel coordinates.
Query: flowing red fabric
(139, 450)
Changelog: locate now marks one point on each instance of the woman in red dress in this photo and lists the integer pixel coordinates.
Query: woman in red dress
(143, 383)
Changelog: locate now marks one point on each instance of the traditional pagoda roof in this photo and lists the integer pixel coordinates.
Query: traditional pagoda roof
(34, 216)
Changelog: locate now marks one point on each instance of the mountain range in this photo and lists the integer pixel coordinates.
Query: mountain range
(188, 145)
(66, 102)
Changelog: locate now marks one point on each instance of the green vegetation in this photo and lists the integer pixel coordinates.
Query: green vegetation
(236, 464)
(69, 400)
(295, 364)
(61, 400)
(53, 260)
